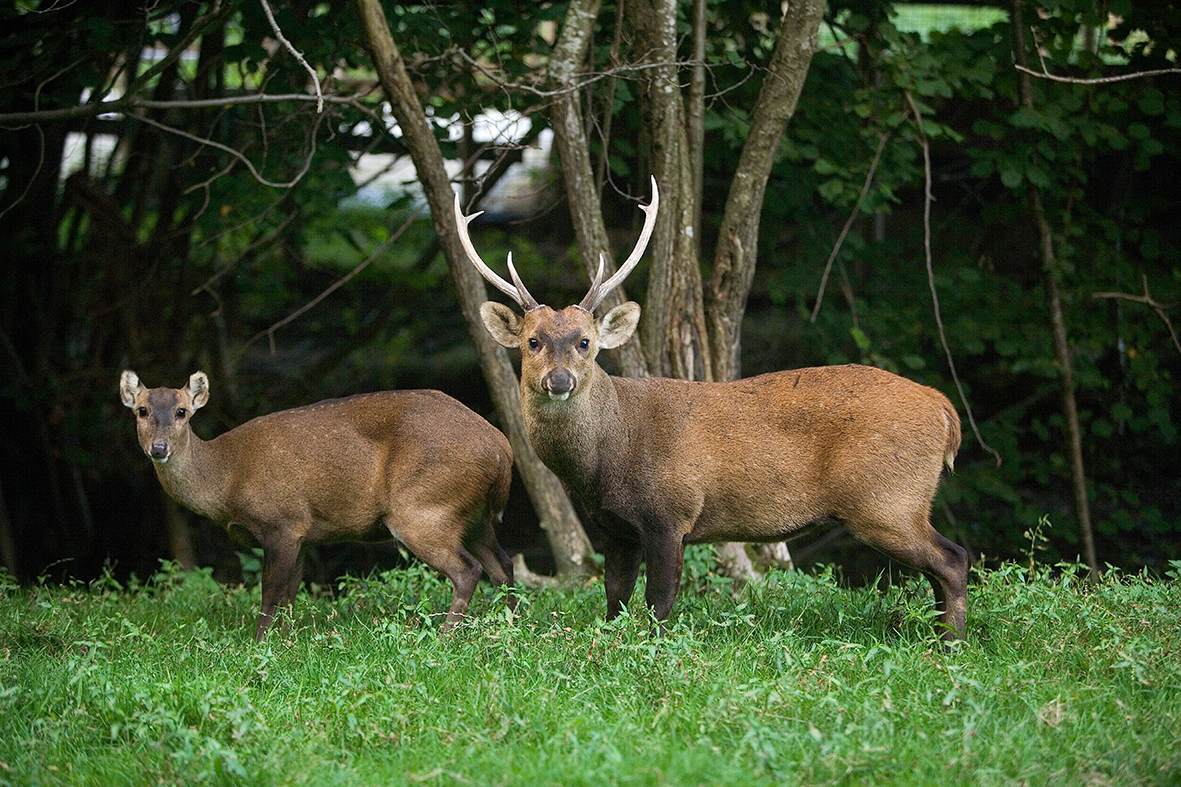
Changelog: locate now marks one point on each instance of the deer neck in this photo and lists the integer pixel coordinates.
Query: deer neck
(197, 477)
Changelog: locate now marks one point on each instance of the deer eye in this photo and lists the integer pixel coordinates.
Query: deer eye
(181, 412)
(533, 343)
(584, 344)
(143, 412)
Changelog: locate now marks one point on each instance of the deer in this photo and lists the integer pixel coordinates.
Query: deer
(660, 463)
(417, 466)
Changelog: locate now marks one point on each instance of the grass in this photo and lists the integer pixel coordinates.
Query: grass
(791, 680)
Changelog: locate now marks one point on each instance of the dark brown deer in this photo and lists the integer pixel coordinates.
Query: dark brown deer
(662, 463)
(417, 466)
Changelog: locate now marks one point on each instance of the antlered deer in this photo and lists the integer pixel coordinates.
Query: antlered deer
(662, 463)
(413, 465)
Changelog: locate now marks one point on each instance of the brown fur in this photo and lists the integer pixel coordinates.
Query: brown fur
(413, 465)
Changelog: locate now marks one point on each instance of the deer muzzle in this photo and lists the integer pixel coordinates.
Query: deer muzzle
(559, 384)
(159, 452)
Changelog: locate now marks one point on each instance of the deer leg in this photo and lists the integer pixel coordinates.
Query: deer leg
(435, 540)
(464, 572)
(294, 580)
(666, 557)
(282, 571)
(943, 562)
(495, 561)
(621, 566)
(949, 580)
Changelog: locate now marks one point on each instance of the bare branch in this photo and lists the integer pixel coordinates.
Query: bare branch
(928, 198)
(180, 47)
(266, 7)
(598, 76)
(1148, 301)
(36, 172)
(270, 332)
(127, 105)
(873, 168)
(1045, 74)
(262, 240)
(227, 149)
(214, 238)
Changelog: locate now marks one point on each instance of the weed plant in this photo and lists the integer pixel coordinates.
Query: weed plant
(791, 680)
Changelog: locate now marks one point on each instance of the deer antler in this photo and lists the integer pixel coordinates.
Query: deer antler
(599, 288)
(516, 290)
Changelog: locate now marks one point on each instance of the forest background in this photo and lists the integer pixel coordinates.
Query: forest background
(210, 218)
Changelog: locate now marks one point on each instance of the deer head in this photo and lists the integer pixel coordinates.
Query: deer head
(558, 348)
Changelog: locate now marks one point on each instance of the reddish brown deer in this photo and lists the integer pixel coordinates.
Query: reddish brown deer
(417, 466)
(663, 463)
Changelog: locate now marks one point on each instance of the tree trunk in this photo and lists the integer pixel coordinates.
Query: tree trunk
(676, 341)
(738, 236)
(573, 145)
(571, 547)
(8, 557)
(1082, 507)
(695, 121)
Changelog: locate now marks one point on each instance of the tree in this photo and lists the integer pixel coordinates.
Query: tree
(1062, 349)
(675, 317)
(570, 545)
(678, 337)
(217, 234)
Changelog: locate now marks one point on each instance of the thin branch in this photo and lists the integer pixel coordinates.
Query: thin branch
(928, 198)
(1045, 74)
(596, 77)
(126, 105)
(227, 149)
(262, 240)
(212, 239)
(836, 249)
(266, 7)
(177, 50)
(36, 173)
(270, 332)
(1148, 301)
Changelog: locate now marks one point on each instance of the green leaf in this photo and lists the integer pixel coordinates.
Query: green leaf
(825, 167)
(1037, 176)
(1026, 118)
(1152, 102)
(860, 337)
(1139, 131)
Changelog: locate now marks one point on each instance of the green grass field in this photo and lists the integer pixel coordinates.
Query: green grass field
(791, 680)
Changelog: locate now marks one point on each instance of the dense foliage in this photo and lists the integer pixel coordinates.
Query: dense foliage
(170, 254)
(790, 681)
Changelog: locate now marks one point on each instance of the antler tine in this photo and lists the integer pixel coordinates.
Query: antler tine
(517, 290)
(598, 280)
(599, 289)
(528, 302)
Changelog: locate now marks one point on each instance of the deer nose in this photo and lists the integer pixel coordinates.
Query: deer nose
(159, 451)
(559, 383)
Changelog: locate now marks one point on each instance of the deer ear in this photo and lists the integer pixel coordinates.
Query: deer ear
(502, 322)
(198, 390)
(129, 387)
(617, 326)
